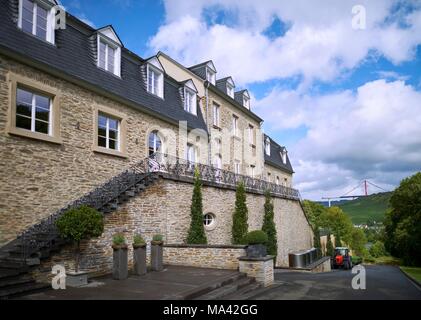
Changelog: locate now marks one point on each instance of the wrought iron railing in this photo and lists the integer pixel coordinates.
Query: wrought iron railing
(180, 167)
(45, 233)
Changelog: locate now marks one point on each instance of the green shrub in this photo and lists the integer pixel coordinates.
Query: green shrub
(158, 238)
(377, 249)
(240, 224)
(369, 259)
(196, 234)
(330, 250)
(256, 237)
(138, 240)
(79, 224)
(356, 260)
(119, 239)
(269, 226)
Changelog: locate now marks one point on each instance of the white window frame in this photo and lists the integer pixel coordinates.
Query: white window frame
(246, 102)
(156, 136)
(269, 176)
(277, 181)
(209, 220)
(267, 147)
(216, 114)
(50, 34)
(251, 134)
(191, 152)
(155, 73)
(230, 90)
(235, 125)
(218, 161)
(237, 167)
(284, 156)
(210, 75)
(190, 101)
(117, 55)
(33, 111)
(252, 170)
(107, 131)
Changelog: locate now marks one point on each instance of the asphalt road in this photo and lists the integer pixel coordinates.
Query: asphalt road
(382, 283)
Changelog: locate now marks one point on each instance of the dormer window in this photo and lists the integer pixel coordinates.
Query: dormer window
(37, 18)
(284, 155)
(230, 90)
(155, 78)
(211, 76)
(246, 102)
(267, 146)
(190, 101)
(109, 51)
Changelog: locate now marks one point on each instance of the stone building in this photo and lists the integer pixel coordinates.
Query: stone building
(79, 112)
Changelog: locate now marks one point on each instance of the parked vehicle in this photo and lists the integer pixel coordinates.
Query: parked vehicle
(341, 258)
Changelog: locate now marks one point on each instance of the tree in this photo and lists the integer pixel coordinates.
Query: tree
(240, 217)
(377, 249)
(329, 246)
(79, 224)
(315, 212)
(196, 234)
(403, 221)
(338, 241)
(358, 242)
(269, 226)
(316, 239)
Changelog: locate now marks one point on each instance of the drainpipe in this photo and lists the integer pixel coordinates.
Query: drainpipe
(207, 124)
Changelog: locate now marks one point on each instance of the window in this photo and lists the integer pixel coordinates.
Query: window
(252, 171)
(108, 132)
(237, 169)
(218, 145)
(284, 156)
(269, 177)
(107, 57)
(208, 220)
(210, 76)
(285, 182)
(33, 111)
(230, 90)
(190, 101)
(246, 102)
(155, 83)
(155, 143)
(218, 161)
(235, 125)
(251, 134)
(267, 146)
(37, 18)
(191, 153)
(277, 181)
(215, 115)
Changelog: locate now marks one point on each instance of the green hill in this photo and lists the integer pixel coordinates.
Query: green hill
(371, 207)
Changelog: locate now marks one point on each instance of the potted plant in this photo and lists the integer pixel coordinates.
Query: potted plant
(139, 255)
(120, 271)
(157, 253)
(79, 224)
(256, 241)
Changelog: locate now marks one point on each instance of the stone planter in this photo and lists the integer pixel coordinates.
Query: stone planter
(120, 261)
(157, 256)
(139, 259)
(256, 251)
(76, 279)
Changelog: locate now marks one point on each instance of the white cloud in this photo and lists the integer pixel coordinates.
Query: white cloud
(373, 133)
(320, 44)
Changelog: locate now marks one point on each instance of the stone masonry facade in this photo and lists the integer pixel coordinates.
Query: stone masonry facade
(164, 208)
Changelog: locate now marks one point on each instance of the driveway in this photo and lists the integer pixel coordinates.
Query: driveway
(382, 282)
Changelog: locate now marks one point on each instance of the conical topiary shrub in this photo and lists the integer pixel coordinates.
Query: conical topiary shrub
(269, 226)
(196, 234)
(240, 225)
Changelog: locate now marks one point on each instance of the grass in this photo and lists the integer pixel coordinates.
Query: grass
(413, 272)
(385, 260)
(372, 207)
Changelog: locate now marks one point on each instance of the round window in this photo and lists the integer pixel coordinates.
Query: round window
(209, 220)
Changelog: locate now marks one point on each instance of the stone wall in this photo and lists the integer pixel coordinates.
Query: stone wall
(164, 208)
(259, 268)
(212, 256)
(285, 178)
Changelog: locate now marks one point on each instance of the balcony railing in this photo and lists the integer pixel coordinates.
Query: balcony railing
(175, 166)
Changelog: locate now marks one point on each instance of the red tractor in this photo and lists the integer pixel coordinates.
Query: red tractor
(341, 258)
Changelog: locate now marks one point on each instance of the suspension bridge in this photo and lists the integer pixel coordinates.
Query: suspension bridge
(361, 185)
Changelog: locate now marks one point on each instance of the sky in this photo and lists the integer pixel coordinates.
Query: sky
(338, 84)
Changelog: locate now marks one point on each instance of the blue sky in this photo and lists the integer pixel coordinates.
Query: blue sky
(345, 102)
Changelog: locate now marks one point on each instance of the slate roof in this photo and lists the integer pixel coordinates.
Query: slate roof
(275, 158)
(73, 57)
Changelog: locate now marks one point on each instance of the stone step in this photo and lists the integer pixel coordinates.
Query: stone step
(8, 273)
(209, 286)
(5, 264)
(15, 281)
(227, 289)
(245, 293)
(22, 289)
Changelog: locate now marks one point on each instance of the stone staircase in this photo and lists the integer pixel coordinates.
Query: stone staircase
(235, 287)
(21, 256)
